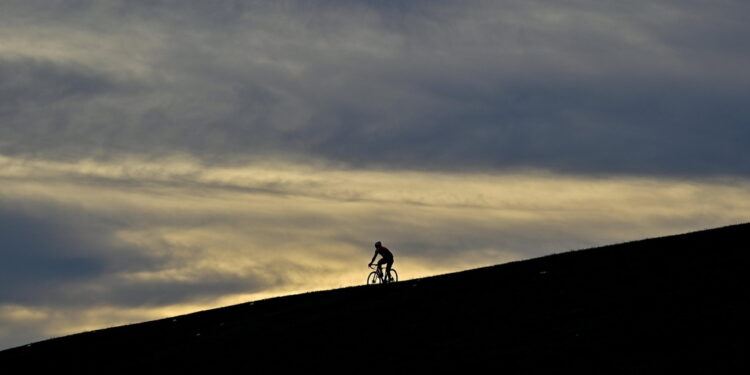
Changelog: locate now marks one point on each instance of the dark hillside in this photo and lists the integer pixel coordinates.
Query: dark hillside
(651, 306)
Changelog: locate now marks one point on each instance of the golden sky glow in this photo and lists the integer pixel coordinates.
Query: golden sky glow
(274, 229)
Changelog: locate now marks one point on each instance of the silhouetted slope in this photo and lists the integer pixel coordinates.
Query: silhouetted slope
(648, 306)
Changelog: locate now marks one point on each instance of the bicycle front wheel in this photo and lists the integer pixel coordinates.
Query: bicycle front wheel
(393, 276)
(373, 278)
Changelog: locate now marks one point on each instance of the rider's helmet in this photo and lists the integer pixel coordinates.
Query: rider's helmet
(378, 244)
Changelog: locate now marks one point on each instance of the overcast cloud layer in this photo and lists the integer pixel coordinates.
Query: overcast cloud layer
(577, 86)
(161, 157)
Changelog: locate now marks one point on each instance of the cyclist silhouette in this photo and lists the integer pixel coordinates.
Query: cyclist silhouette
(387, 257)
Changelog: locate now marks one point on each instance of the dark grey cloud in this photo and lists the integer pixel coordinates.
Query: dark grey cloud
(652, 129)
(58, 110)
(32, 83)
(66, 257)
(37, 255)
(46, 249)
(638, 88)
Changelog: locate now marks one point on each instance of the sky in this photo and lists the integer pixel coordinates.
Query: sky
(165, 157)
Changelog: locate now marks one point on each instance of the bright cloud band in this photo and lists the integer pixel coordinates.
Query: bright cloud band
(160, 236)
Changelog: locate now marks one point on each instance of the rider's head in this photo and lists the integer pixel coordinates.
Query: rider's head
(378, 244)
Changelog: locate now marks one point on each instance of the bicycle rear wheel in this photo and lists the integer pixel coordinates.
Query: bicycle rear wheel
(373, 278)
(393, 276)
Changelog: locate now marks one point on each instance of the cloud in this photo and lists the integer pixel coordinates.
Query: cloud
(158, 236)
(649, 88)
(162, 157)
(36, 256)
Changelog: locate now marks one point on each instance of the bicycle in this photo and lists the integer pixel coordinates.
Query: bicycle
(376, 276)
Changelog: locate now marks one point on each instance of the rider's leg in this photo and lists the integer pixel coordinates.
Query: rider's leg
(380, 269)
(388, 269)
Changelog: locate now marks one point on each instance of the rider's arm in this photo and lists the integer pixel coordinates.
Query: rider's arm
(373, 257)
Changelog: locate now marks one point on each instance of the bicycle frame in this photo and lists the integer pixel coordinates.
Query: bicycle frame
(380, 275)
(378, 271)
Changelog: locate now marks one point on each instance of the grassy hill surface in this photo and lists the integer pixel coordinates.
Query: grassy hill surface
(671, 303)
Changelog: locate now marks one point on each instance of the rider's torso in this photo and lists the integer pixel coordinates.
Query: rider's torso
(384, 252)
